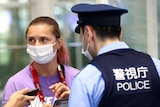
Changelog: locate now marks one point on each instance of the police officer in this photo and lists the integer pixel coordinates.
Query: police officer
(117, 76)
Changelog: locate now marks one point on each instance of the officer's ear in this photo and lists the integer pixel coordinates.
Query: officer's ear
(89, 32)
(121, 35)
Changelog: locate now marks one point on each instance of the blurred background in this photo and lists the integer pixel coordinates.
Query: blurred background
(141, 29)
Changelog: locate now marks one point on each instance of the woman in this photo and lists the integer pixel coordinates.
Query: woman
(49, 70)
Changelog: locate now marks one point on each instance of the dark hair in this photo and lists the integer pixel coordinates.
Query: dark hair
(106, 31)
(63, 56)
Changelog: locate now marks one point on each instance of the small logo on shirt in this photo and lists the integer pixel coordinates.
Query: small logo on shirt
(38, 103)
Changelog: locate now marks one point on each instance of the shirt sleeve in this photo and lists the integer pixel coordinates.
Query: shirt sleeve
(87, 88)
(9, 89)
(157, 64)
(78, 96)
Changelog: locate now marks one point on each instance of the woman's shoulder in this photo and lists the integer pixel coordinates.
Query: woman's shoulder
(19, 80)
(21, 75)
(70, 73)
(70, 68)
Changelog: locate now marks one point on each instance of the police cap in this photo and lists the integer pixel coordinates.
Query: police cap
(97, 14)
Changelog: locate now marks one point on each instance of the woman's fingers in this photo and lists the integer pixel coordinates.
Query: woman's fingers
(60, 90)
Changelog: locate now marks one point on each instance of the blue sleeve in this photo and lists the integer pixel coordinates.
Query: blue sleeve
(78, 96)
(87, 88)
(157, 64)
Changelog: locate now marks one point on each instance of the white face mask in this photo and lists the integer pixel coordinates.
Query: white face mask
(41, 54)
(86, 52)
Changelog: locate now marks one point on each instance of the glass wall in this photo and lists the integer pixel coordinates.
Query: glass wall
(68, 21)
(135, 24)
(16, 14)
(158, 17)
(140, 25)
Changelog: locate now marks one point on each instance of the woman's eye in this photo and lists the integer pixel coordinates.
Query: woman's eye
(31, 40)
(44, 40)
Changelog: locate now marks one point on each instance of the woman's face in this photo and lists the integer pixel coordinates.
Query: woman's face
(40, 34)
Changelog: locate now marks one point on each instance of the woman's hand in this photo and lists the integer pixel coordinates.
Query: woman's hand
(19, 99)
(47, 105)
(60, 90)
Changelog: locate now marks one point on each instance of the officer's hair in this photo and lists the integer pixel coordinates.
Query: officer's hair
(106, 31)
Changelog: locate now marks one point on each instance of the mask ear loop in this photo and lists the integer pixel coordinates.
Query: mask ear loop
(53, 47)
(83, 41)
(60, 42)
(54, 43)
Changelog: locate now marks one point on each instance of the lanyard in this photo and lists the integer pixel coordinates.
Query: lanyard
(36, 80)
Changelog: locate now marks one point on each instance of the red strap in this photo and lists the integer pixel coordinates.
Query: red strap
(36, 80)
(61, 75)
